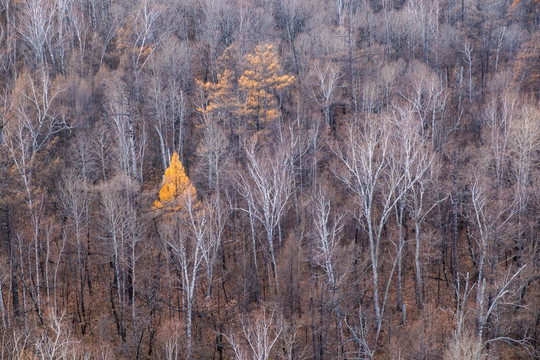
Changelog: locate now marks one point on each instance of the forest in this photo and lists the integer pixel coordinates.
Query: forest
(269, 179)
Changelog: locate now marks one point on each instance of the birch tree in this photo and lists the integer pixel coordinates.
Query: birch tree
(185, 232)
(131, 134)
(418, 165)
(524, 142)
(498, 116)
(169, 80)
(371, 169)
(329, 255)
(258, 336)
(74, 195)
(326, 82)
(490, 215)
(121, 233)
(36, 121)
(36, 25)
(265, 185)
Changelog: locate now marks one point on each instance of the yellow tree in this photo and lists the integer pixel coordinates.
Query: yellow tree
(260, 83)
(177, 187)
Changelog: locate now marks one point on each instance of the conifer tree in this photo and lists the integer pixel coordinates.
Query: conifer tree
(260, 82)
(176, 186)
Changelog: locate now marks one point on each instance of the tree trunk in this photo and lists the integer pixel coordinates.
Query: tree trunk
(455, 199)
(417, 264)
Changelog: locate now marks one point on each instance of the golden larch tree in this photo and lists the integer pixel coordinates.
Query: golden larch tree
(176, 186)
(260, 83)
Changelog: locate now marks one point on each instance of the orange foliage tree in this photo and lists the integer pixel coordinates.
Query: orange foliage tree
(176, 186)
(260, 82)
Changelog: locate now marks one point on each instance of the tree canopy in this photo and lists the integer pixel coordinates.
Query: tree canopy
(260, 83)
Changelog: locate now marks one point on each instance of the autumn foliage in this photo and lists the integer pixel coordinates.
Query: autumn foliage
(176, 186)
(261, 83)
(260, 86)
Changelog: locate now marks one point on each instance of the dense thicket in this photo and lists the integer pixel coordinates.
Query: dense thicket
(352, 179)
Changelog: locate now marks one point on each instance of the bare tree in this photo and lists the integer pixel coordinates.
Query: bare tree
(326, 83)
(524, 141)
(170, 107)
(217, 221)
(372, 171)
(145, 36)
(213, 152)
(469, 59)
(329, 255)
(19, 341)
(504, 292)
(74, 195)
(102, 151)
(59, 49)
(467, 344)
(80, 27)
(424, 17)
(167, 95)
(417, 160)
(37, 118)
(291, 344)
(498, 116)
(107, 24)
(428, 98)
(36, 121)
(131, 135)
(291, 17)
(258, 336)
(326, 252)
(491, 215)
(55, 341)
(217, 29)
(4, 311)
(360, 335)
(186, 232)
(121, 235)
(170, 339)
(36, 25)
(266, 187)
